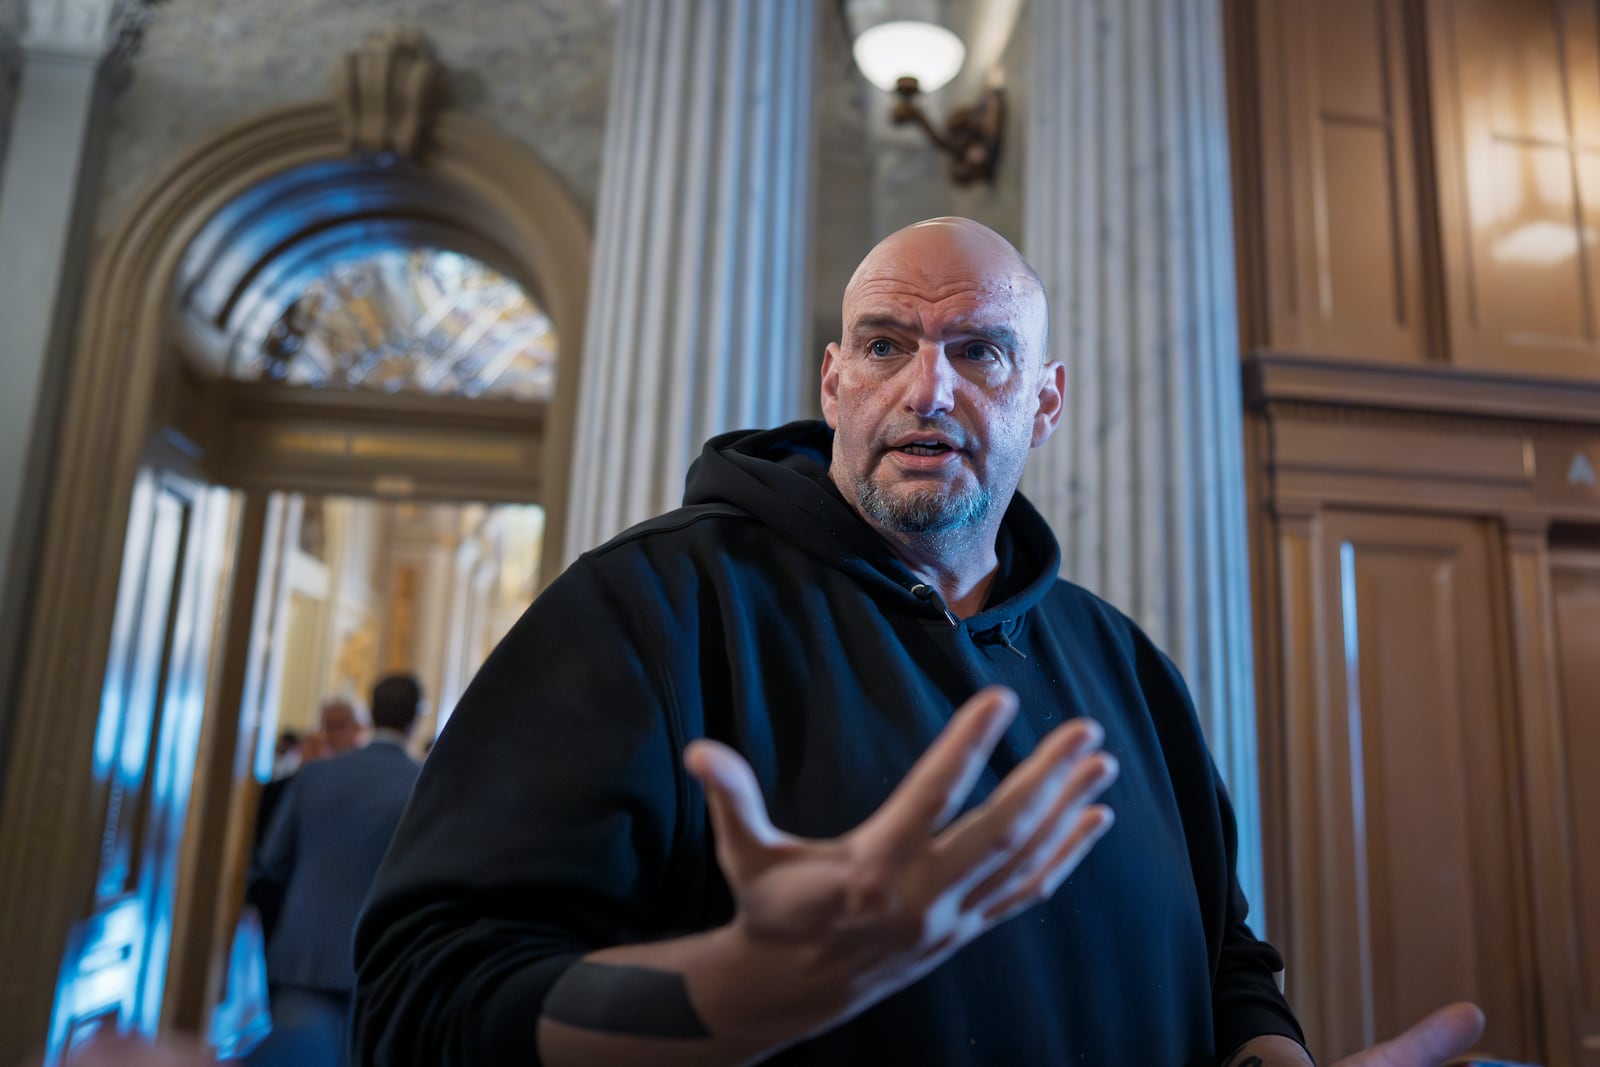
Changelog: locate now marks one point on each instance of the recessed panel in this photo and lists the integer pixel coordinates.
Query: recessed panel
(1362, 261)
(1521, 82)
(1350, 58)
(1417, 691)
(1533, 283)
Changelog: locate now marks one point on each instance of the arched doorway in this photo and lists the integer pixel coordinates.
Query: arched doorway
(129, 748)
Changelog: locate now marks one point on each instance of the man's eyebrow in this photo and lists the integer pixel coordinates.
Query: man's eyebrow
(997, 334)
(868, 323)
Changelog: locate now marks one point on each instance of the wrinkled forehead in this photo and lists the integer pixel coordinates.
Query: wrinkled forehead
(933, 281)
(948, 294)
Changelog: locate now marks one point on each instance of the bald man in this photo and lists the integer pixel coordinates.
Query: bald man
(725, 793)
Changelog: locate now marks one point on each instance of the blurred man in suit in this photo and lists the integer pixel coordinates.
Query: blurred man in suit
(322, 850)
(342, 728)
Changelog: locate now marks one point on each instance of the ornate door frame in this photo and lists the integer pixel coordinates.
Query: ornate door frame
(128, 372)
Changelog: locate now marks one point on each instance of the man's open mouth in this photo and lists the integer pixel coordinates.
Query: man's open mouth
(928, 448)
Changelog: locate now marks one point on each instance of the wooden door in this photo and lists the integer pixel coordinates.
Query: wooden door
(1405, 877)
(152, 705)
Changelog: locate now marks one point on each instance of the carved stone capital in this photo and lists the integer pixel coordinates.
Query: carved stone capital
(388, 92)
(88, 29)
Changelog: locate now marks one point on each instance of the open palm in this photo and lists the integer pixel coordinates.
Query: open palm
(1440, 1037)
(868, 913)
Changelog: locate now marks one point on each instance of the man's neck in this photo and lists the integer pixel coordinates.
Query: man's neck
(964, 586)
(961, 565)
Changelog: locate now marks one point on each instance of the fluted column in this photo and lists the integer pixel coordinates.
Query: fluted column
(49, 178)
(1129, 222)
(699, 286)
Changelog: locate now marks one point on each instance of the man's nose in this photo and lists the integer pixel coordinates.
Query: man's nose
(932, 388)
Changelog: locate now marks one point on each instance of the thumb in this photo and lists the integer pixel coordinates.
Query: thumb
(1446, 1033)
(739, 817)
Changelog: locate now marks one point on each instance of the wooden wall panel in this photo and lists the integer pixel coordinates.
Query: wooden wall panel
(1418, 212)
(1402, 757)
(1575, 593)
(1357, 503)
(1544, 792)
(1515, 101)
(1342, 265)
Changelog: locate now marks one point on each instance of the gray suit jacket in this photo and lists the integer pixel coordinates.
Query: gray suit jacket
(324, 845)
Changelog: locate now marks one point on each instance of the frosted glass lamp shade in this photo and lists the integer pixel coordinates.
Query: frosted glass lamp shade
(890, 51)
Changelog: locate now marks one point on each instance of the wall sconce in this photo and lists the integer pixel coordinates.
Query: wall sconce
(909, 58)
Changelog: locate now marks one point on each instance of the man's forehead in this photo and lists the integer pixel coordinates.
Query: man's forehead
(1005, 298)
(938, 279)
(942, 271)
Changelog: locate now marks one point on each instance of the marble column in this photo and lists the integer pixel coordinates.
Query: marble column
(698, 296)
(1128, 220)
(50, 175)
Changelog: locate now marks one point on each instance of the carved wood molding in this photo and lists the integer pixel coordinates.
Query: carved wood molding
(1441, 421)
(1273, 379)
(1526, 531)
(1427, 439)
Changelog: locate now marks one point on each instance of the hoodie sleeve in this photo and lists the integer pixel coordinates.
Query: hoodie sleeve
(1245, 999)
(543, 826)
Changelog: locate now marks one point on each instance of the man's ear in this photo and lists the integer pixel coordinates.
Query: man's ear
(830, 384)
(1052, 399)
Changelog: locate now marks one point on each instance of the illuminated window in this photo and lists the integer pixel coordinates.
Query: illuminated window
(410, 320)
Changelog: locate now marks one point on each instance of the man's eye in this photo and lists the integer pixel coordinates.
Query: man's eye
(982, 352)
(880, 348)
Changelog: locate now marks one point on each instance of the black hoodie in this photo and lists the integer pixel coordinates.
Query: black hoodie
(554, 816)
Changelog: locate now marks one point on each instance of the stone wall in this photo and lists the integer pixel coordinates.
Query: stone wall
(535, 69)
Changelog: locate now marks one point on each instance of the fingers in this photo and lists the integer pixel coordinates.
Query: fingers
(1063, 772)
(1042, 880)
(1443, 1035)
(938, 784)
(738, 813)
(1084, 781)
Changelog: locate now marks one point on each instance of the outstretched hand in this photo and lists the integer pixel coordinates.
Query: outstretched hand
(850, 920)
(1435, 1041)
(1443, 1035)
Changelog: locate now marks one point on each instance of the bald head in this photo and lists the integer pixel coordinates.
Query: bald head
(942, 251)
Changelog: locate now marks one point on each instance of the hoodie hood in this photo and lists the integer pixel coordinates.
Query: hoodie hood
(780, 477)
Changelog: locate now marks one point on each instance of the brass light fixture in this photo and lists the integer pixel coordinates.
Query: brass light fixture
(910, 57)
